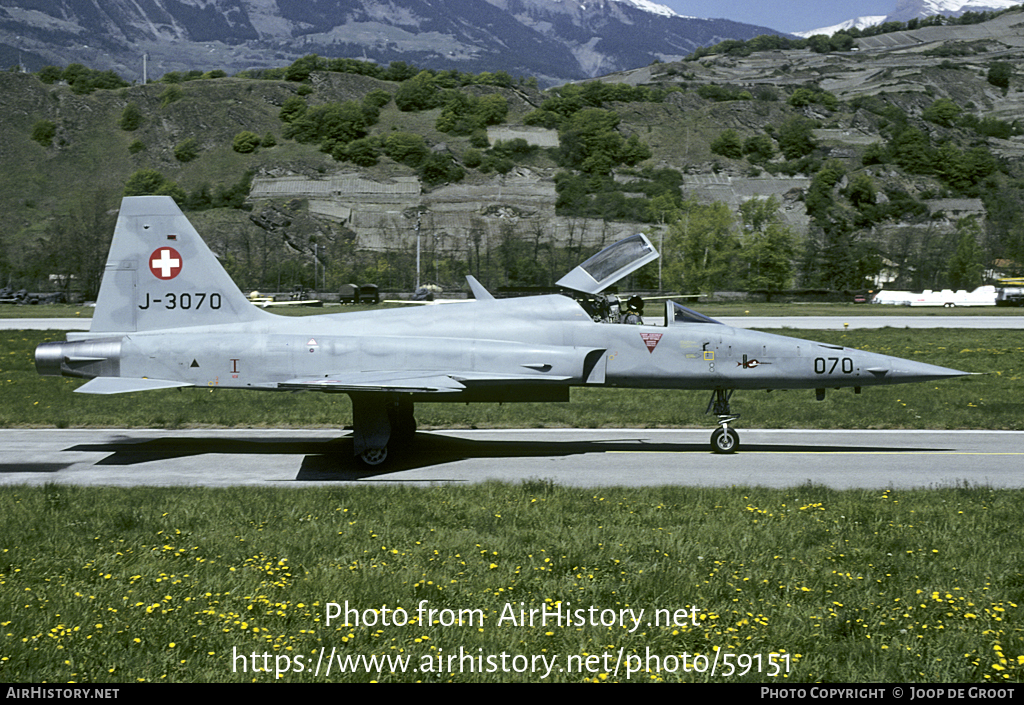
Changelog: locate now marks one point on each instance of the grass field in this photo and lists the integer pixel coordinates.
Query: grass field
(147, 584)
(800, 585)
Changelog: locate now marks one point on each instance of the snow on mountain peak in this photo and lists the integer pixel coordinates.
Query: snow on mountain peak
(652, 7)
(859, 23)
(911, 9)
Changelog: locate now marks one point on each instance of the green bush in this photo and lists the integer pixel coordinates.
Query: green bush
(513, 149)
(144, 182)
(377, 98)
(43, 132)
(418, 93)
(245, 142)
(861, 191)
(728, 144)
(406, 148)
(803, 97)
(150, 182)
(187, 151)
(464, 114)
(131, 118)
(543, 118)
(994, 127)
(171, 94)
(83, 80)
(50, 74)
(796, 137)
(999, 74)
(473, 158)
(292, 108)
(591, 143)
(362, 152)
(332, 125)
(942, 112)
(493, 162)
(439, 169)
(759, 149)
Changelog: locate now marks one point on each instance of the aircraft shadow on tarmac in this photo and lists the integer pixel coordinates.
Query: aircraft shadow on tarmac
(333, 460)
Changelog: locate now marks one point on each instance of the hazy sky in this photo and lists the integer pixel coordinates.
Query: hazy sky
(783, 15)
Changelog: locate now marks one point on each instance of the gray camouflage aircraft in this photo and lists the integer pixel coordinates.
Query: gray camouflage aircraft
(168, 315)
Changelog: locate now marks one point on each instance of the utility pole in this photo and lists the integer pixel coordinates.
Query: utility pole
(418, 214)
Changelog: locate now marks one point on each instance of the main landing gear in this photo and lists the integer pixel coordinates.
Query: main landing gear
(380, 421)
(723, 439)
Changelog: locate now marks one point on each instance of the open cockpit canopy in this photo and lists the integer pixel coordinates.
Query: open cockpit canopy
(610, 265)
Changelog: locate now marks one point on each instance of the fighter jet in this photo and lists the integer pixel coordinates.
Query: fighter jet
(168, 315)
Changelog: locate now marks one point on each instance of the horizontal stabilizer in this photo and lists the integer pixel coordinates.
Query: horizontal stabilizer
(121, 385)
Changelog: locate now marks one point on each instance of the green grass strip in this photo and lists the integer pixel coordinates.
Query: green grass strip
(188, 584)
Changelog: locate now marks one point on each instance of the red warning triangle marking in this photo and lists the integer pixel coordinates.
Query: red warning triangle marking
(651, 340)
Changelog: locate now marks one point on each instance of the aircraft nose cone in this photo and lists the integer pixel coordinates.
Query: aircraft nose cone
(910, 371)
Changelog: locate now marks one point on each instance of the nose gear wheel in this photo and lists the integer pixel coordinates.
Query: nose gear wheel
(724, 439)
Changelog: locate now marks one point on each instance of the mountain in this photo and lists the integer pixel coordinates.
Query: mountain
(910, 9)
(68, 156)
(554, 40)
(916, 9)
(857, 22)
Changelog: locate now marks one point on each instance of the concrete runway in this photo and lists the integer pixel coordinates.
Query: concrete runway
(581, 458)
(855, 322)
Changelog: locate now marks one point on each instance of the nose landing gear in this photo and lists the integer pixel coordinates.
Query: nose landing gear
(724, 439)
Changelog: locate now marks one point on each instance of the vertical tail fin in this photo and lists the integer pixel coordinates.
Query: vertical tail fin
(160, 274)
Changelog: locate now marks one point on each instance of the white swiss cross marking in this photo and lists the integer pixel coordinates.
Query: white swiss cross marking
(165, 263)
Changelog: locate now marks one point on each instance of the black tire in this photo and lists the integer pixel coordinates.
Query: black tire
(372, 457)
(725, 440)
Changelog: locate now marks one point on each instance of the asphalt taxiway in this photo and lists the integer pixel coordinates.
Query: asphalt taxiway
(572, 457)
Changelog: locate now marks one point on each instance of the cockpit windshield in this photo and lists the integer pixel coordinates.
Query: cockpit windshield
(678, 314)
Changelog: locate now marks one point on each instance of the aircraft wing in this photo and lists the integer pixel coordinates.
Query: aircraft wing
(406, 381)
